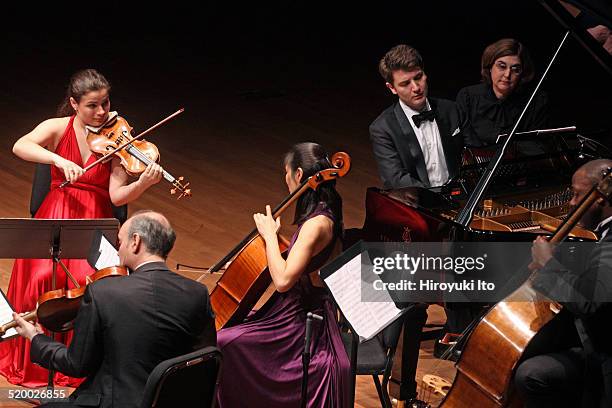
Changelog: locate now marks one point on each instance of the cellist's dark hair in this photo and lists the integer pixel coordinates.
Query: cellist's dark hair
(81, 83)
(312, 158)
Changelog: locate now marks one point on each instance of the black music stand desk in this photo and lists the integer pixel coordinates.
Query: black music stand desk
(54, 239)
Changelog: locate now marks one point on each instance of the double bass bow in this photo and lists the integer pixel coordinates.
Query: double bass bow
(247, 277)
(114, 138)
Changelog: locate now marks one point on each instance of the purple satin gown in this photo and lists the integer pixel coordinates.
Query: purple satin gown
(262, 357)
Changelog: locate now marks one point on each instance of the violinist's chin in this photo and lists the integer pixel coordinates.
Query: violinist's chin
(98, 121)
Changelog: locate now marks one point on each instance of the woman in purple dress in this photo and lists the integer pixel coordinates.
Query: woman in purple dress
(262, 365)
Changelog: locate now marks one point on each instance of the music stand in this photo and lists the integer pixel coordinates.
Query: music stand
(57, 239)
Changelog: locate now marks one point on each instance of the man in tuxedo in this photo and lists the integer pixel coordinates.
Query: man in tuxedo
(417, 140)
(127, 325)
(576, 369)
(416, 143)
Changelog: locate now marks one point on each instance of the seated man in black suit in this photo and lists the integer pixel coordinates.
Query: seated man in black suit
(417, 140)
(576, 368)
(417, 143)
(127, 325)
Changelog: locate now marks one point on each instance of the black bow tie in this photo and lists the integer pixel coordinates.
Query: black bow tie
(429, 115)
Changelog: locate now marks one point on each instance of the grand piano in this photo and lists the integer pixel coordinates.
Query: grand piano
(526, 196)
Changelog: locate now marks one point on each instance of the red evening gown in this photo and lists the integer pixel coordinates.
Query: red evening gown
(87, 198)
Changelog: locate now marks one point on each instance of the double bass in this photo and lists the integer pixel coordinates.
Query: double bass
(507, 333)
(484, 378)
(247, 277)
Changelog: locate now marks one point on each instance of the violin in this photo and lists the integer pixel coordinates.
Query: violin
(134, 157)
(57, 309)
(114, 138)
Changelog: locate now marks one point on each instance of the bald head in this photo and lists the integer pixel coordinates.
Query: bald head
(153, 215)
(584, 179)
(594, 170)
(154, 231)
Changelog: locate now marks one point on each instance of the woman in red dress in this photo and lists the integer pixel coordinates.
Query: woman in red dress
(62, 143)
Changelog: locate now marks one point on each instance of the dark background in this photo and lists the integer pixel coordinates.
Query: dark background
(159, 57)
(254, 79)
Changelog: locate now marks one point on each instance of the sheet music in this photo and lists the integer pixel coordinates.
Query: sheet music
(108, 255)
(6, 315)
(366, 318)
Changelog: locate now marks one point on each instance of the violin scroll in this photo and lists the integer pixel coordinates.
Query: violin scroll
(182, 187)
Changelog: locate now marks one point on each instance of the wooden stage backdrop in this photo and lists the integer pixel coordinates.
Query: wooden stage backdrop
(253, 83)
(229, 146)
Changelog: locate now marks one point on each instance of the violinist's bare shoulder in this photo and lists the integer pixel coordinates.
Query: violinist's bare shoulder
(48, 132)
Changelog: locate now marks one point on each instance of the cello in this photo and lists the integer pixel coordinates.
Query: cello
(246, 278)
(502, 337)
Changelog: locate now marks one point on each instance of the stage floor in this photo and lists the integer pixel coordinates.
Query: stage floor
(229, 147)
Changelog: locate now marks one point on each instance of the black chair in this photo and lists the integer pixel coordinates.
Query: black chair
(189, 380)
(42, 183)
(375, 357)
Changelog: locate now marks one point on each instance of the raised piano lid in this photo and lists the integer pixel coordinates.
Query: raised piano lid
(573, 14)
(601, 13)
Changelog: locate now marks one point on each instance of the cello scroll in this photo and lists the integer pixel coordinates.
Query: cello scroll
(341, 163)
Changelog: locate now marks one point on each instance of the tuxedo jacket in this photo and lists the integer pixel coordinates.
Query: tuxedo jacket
(124, 328)
(397, 149)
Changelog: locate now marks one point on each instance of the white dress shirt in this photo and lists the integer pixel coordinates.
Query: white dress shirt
(603, 228)
(430, 141)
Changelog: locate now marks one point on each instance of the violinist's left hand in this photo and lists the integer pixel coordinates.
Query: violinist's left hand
(152, 175)
(25, 328)
(267, 226)
(541, 253)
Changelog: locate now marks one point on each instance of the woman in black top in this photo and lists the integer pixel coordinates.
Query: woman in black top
(493, 106)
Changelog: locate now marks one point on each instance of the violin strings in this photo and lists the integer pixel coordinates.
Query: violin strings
(133, 150)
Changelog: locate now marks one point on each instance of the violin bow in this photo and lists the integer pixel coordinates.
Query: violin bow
(126, 144)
